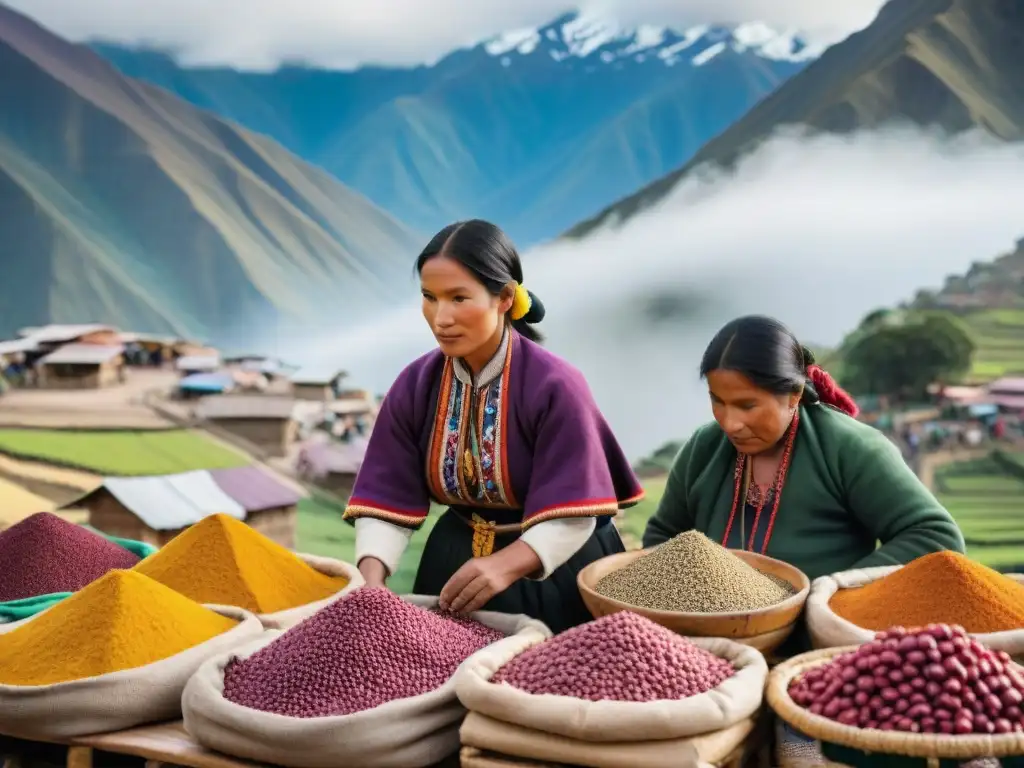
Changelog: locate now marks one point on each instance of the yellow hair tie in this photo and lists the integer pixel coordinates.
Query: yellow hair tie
(521, 303)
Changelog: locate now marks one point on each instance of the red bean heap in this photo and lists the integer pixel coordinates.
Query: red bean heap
(44, 554)
(621, 657)
(932, 680)
(362, 651)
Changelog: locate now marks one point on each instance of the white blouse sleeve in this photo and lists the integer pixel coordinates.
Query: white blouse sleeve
(555, 541)
(382, 540)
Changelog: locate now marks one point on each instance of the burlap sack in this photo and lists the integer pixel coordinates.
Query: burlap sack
(493, 735)
(328, 566)
(605, 721)
(118, 700)
(406, 733)
(829, 630)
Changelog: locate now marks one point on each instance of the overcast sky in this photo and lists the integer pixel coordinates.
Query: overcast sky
(259, 34)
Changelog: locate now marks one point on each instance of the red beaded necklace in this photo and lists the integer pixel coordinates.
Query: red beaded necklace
(776, 490)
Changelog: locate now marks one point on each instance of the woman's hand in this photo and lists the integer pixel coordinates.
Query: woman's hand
(481, 578)
(374, 572)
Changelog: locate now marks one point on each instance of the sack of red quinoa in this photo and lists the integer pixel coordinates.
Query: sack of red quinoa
(849, 607)
(365, 681)
(112, 656)
(329, 567)
(620, 678)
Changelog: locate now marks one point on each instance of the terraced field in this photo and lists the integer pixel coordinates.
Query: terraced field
(999, 337)
(161, 452)
(988, 504)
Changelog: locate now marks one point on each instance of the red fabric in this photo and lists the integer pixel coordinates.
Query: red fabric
(831, 393)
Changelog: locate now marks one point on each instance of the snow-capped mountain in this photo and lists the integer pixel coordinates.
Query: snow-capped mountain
(590, 37)
(534, 128)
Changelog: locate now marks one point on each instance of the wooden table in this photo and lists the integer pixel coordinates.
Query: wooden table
(159, 745)
(163, 744)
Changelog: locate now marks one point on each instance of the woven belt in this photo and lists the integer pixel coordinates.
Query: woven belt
(485, 531)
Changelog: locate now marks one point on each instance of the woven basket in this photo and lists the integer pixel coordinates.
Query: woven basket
(922, 745)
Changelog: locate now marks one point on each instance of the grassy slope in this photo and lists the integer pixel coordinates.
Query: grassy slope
(122, 453)
(999, 338)
(986, 502)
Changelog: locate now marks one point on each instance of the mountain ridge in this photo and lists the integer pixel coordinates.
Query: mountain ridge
(926, 62)
(126, 205)
(462, 137)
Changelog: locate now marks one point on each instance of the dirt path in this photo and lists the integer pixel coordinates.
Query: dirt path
(46, 473)
(929, 463)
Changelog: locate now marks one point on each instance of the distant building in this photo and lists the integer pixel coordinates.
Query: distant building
(1007, 393)
(53, 336)
(81, 366)
(203, 384)
(156, 509)
(198, 363)
(263, 420)
(332, 466)
(308, 384)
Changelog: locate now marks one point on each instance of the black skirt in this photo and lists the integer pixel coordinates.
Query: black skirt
(555, 601)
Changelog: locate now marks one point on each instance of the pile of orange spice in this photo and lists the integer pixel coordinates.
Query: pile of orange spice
(940, 588)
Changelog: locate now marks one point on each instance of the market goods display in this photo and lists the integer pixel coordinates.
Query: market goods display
(620, 678)
(45, 554)
(692, 574)
(391, 650)
(942, 587)
(622, 657)
(931, 680)
(223, 561)
(122, 621)
(114, 654)
(365, 681)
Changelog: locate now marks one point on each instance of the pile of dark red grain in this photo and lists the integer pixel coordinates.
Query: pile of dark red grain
(362, 651)
(935, 679)
(621, 657)
(44, 554)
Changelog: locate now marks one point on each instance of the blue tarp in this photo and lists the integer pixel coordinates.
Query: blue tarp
(206, 382)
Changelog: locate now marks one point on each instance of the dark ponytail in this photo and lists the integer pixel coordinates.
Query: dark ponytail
(766, 352)
(487, 252)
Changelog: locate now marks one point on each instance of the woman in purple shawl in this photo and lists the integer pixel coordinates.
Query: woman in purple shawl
(504, 433)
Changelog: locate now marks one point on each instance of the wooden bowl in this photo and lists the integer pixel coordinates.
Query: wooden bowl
(776, 621)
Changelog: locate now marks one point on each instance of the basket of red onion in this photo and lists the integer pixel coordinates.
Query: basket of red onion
(930, 692)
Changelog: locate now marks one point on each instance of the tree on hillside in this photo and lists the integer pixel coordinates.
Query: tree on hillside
(901, 357)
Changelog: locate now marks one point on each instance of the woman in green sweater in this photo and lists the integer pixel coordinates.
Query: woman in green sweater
(785, 470)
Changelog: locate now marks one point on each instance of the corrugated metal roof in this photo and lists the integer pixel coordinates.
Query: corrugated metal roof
(198, 363)
(254, 488)
(17, 345)
(49, 334)
(207, 382)
(315, 376)
(170, 502)
(322, 458)
(246, 407)
(349, 407)
(83, 354)
(1009, 385)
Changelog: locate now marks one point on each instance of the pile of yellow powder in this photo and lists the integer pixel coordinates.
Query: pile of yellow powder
(221, 560)
(121, 621)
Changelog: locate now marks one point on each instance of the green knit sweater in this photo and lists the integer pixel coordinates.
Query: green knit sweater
(848, 490)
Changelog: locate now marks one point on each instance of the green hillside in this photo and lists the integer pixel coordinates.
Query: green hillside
(124, 204)
(999, 336)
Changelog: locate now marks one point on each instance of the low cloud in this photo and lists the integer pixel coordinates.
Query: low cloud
(816, 232)
(260, 34)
